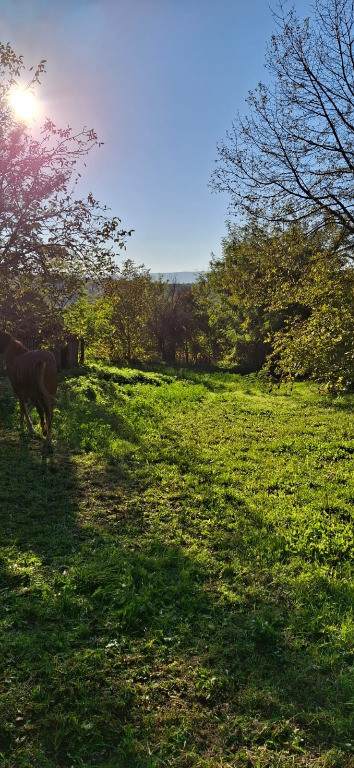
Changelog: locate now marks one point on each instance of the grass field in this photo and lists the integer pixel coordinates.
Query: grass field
(175, 576)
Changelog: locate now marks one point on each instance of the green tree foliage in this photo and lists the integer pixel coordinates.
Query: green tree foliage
(136, 317)
(90, 319)
(129, 294)
(320, 346)
(291, 160)
(285, 297)
(280, 299)
(292, 155)
(45, 228)
(252, 289)
(214, 334)
(172, 320)
(35, 304)
(114, 323)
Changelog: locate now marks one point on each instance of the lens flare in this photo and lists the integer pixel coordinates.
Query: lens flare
(23, 104)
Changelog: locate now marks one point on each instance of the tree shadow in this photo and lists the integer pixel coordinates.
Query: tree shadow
(8, 404)
(37, 496)
(153, 635)
(343, 403)
(129, 645)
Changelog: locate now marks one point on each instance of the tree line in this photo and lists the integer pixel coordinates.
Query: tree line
(280, 296)
(279, 300)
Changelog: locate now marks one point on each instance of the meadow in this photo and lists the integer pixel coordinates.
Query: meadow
(175, 576)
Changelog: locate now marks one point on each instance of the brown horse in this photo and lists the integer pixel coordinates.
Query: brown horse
(33, 376)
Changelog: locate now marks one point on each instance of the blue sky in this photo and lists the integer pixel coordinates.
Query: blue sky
(161, 82)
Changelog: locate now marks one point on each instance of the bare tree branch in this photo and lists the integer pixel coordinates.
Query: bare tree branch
(292, 155)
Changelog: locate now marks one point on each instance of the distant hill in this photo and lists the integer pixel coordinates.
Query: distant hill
(176, 277)
(181, 278)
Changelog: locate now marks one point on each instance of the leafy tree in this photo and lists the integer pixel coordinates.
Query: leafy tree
(292, 156)
(44, 227)
(172, 320)
(214, 334)
(250, 289)
(135, 318)
(90, 319)
(35, 303)
(285, 298)
(129, 294)
(320, 345)
(29, 311)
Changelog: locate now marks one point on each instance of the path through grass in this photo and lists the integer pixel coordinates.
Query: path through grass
(175, 578)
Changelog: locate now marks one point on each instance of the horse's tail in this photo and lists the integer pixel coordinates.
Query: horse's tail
(45, 399)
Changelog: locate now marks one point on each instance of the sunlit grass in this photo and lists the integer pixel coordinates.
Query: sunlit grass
(176, 577)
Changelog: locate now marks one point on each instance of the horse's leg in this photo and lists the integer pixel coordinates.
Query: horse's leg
(44, 427)
(41, 415)
(24, 413)
(22, 417)
(49, 415)
(44, 406)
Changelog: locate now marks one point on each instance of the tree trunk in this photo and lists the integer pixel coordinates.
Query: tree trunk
(82, 351)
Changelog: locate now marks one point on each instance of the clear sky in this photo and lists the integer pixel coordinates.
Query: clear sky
(161, 82)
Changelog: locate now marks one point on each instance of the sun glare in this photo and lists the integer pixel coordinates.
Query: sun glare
(23, 104)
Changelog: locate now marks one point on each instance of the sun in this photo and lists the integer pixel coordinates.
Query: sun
(23, 104)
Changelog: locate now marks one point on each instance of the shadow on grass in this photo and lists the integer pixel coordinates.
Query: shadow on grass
(134, 650)
(7, 403)
(116, 642)
(126, 645)
(339, 403)
(37, 496)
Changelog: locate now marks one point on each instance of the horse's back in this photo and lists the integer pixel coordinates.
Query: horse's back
(25, 369)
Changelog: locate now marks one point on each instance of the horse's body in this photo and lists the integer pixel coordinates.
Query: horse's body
(33, 376)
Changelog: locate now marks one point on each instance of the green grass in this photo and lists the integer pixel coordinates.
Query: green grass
(175, 576)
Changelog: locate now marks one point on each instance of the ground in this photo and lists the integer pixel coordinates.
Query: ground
(175, 576)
